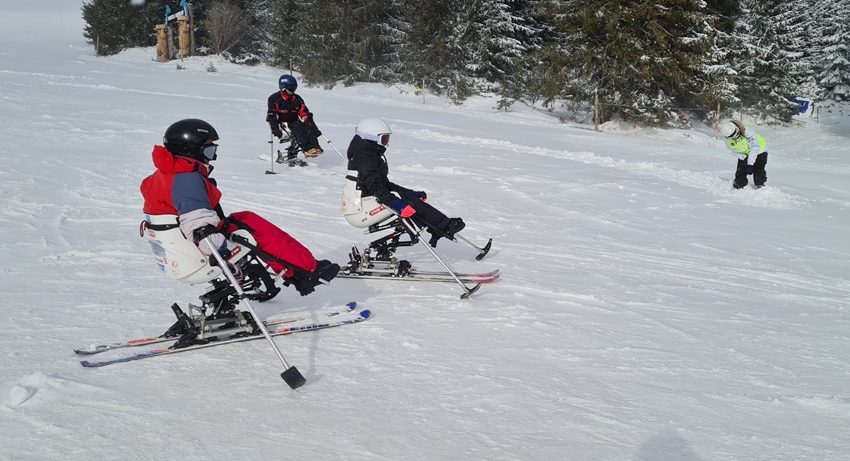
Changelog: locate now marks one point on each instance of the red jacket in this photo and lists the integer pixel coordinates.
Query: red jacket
(157, 188)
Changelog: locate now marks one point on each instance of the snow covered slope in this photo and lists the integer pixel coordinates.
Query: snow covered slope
(646, 311)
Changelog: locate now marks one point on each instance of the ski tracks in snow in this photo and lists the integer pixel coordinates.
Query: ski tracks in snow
(768, 197)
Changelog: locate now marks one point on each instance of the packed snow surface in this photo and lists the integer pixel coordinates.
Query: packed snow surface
(646, 311)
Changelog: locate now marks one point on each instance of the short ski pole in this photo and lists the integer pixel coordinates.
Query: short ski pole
(334, 147)
(290, 375)
(411, 226)
(481, 251)
(271, 154)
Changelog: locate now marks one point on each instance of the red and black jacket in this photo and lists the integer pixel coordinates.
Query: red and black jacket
(285, 108)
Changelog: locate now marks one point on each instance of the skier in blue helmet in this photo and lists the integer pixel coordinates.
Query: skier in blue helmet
(286, 107)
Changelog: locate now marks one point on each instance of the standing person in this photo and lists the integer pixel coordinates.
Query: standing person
(366, 157)
(746, 144)
(285, 106)
(181, 186)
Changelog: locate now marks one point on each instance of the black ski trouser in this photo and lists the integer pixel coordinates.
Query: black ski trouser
(741, 174)
(426, 215)
(759, 175)
(756, 169)
(306, 134)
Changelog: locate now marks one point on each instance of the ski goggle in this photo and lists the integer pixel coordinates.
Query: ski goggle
(385, 139)
(209, 151)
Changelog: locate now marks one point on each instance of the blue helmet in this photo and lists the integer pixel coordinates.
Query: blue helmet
(287, 82)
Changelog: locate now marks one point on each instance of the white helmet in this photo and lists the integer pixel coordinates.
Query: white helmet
(372, 129)
(730, 128)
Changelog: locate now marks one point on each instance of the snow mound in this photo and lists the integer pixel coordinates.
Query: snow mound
(42, 387)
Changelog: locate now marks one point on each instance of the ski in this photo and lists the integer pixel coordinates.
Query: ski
(92, 349)
(483, 275)
(429, 276)
(339, 320)
(292, 162)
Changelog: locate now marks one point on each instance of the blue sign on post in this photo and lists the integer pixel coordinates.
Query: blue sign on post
(168, 16)
(803, 104)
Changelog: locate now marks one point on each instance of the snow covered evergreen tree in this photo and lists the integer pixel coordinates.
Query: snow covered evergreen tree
(765, 81)
(797, 20)
(531, 35)
(341, 40)
(114, 25)
(434, 53)
(641, 56)
(495, 47)
(834, 77)
(718, 73)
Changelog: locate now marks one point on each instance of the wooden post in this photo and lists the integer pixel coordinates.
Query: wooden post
(162, 52)
(183, 37)
(596, 110)
(191, 29)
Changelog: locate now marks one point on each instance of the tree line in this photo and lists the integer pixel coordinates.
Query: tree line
(643, 60)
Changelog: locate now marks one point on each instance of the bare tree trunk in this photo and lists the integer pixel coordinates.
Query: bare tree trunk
(227, 24)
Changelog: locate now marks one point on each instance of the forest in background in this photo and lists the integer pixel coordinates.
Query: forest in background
(644, 61)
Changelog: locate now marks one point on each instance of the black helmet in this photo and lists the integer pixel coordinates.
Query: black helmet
(187, 138)
(287, 82)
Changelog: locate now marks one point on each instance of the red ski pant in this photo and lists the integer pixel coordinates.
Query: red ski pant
(274, 241)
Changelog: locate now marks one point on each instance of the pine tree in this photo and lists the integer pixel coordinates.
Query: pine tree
(640, 56)
(798, 23)
(340, 40)
(115, 25)
(495, 48)
(392, 34)
(555, 74)
(531, 34)
(282, 18)
(834, 77)
(765, 81)
(434, 52)
(718, 75)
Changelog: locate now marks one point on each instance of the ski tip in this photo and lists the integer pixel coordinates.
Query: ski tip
(365, 314)
(352, 305)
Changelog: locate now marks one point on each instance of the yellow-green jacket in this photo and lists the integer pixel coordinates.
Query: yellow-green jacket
(743, 146)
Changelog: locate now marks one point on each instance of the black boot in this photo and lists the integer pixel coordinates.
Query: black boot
(455, 225)
(448, 229)
(326, 270)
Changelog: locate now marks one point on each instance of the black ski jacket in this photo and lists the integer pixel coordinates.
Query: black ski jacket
(285, 109)
(367, 158)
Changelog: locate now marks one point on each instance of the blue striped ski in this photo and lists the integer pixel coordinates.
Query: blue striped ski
(92, 349)
(338, 320)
